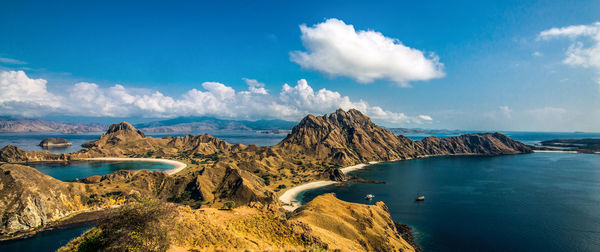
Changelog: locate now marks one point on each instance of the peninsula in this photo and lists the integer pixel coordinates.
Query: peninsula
(247, 179)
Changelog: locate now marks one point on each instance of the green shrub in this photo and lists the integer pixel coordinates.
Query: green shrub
(229, 204)
(137, 227)
(91, 241)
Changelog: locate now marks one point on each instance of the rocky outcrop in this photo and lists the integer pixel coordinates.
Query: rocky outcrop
(116, 133)
(350, 226)
(243, 187)
(14, 154)
(472, 144)
(337, 175)
(30, 199)
(345, 138)
(54, 142)
(204, 144)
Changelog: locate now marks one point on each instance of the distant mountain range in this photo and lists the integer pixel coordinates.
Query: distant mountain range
(195, 124)
(406, 131)
(22, 125)
(175, 125)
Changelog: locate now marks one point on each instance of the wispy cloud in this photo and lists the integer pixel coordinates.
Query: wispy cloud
(12, 61)
(21, 95)
(584, 50)
(337, 49)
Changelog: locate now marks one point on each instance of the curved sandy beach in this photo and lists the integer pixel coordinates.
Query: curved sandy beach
(289, 197)
(177, 166)
(563, 151)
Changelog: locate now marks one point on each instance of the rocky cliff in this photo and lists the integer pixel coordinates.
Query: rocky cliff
(30, 199)
(14, 154)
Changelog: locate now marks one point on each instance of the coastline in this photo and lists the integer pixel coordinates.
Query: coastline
(177, 165)
(563, 151)
(289, 197)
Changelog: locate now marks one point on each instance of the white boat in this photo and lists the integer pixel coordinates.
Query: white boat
(369, 196)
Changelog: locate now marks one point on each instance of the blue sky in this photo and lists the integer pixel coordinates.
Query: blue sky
(498, 72)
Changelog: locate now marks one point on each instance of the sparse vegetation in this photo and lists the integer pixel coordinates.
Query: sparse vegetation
(229, 204)
(138, 227)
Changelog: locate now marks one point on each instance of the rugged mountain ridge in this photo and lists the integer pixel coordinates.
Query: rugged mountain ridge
(488, 144)
(346, 138)
(218, 172)
(351, 137)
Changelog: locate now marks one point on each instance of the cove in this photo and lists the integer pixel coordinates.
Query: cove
(47, 240)
(72, 170)
(531, 202)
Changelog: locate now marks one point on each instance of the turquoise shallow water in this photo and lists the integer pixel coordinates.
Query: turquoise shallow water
(82, 169)
(532, 202)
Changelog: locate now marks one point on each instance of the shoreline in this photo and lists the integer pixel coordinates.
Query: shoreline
(177, 165)
(289, 197)
(563, 151)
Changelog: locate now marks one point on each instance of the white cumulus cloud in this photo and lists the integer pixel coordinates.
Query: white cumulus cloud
(21, 95)
(584, 50)
(336, 48)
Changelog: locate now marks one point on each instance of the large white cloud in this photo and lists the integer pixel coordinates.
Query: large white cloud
(336, 48)
(584, 50)
(21, 95)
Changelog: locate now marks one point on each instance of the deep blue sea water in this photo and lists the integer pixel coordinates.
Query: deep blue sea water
(530, 202)
(81, 169)
(48, 240)
(30, 141)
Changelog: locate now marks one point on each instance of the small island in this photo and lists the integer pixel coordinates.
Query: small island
(586, 145)
(54, 142)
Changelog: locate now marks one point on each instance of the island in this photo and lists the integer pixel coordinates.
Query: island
(54, 143)
(227, 195)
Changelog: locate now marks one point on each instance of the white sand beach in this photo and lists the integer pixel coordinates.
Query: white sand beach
(289, 197)
(177, 166)
(563, 151)
(348, 169)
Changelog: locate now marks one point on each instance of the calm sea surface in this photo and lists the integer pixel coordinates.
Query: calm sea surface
(66, 171)
(530, 202)
(30, 141)
(48, 240)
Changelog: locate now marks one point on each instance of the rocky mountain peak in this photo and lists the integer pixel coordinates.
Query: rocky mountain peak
(344, 137)
(123, 127)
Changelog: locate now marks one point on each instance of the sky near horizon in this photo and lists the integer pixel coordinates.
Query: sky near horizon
(472, 65)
